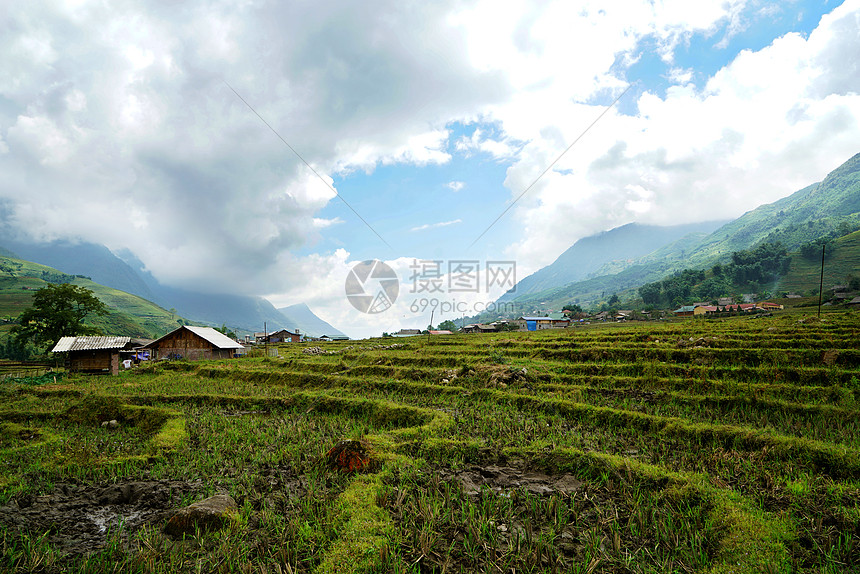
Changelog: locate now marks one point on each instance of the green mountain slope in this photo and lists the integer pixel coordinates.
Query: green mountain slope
(812, 212)
(607, 253)
(804, 274)
(129, 315)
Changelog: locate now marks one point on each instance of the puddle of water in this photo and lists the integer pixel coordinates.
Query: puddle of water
(111, 517)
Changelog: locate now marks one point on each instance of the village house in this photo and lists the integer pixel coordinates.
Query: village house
(723, 301)
(769, 306)
(442, 332)
(684, 311)
(93, 354)
(406, 333)
(553, 321)
(479, 328)
(195, 343)
(282, 336)
(705, 310)
(741, 307)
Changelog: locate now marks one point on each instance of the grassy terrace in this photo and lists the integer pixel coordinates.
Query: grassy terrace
(697, 446)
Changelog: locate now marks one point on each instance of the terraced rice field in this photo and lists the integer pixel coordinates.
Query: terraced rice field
(698, 446)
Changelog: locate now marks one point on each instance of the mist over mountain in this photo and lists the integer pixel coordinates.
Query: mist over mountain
(127, 273)
(308, 322)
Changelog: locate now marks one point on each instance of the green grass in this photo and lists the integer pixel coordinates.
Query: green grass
(739, 456)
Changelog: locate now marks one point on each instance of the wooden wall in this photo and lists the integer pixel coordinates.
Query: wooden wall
(100, 360)
(186, 345)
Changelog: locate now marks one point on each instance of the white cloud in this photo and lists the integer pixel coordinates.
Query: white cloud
(116, 125)
(321, 284)
(436, 225)
(767, 124)
(455, 186)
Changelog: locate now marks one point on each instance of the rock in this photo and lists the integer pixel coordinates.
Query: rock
(830, 357)
(111, 424)
(209, 514)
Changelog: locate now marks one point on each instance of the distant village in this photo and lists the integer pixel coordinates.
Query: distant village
(100, 354)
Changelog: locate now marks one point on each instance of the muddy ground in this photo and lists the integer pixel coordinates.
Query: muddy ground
(79, 518)
(502, 478)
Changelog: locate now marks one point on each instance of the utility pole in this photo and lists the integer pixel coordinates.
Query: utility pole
(431, 324)
(821, 283)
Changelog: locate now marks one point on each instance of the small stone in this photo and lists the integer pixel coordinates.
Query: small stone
(209, 514)
(113, 424)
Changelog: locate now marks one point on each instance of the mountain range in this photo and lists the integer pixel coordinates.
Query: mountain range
(242, 313)
(622, 259)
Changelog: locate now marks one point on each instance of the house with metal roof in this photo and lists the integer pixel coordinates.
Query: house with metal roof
(548, 322)
(684, 311)
(195, 343)
(93, 354)
(406, 333)
(282, 336)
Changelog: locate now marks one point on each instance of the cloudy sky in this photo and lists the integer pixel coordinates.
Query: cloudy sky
(162, 127)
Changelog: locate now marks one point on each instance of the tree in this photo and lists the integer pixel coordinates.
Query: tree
(58, 311)
(227, 332)
(573, 308)
(448, 325)
(613, 300)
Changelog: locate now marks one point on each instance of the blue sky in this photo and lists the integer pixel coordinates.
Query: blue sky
(119, 125)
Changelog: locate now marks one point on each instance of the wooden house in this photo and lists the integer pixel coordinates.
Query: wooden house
(406, 333)
(705, 310)
(194, 343)
(684, 311)
(93, 354)
(480, 328)
(283, 336)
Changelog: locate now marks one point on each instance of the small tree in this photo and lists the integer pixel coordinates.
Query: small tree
(227, 332)
(448, 325)
(58, 311)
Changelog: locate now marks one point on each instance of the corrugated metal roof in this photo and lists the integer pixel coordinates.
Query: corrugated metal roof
(217, 338)
(89, 343)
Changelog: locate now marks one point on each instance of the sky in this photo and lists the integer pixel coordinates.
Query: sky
(267, 148)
